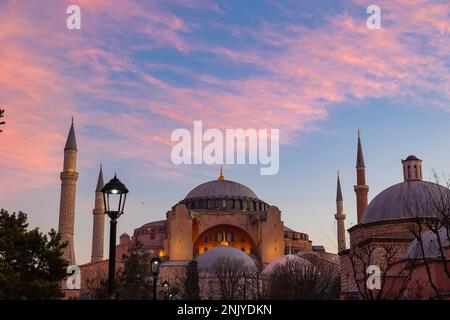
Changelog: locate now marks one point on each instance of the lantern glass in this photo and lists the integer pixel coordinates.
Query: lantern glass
(156, 263)
(165, 286)
(114, 196)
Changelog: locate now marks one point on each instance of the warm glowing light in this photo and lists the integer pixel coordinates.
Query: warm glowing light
(161, 252)
(114, 191)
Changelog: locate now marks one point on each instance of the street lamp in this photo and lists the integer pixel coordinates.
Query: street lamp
(114, 196)
(165, 286)
(156, 263)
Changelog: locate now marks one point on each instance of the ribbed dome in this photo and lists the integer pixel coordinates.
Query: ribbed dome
(409, 199)
(220, 189)
(430, 244)
(206, 260)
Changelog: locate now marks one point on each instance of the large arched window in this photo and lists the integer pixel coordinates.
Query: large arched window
(223, 235)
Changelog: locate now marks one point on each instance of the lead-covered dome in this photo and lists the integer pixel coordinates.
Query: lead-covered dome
(221, 188)
(223, 194)
(431, 244)
(409, 199)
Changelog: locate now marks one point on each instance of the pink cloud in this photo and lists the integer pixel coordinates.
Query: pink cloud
(313, 71)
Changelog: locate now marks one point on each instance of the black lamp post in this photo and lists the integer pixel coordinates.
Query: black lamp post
(114, 196)
(156, 263)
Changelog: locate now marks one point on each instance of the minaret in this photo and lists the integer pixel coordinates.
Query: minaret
(361, 189)
(340, 217)
(99, 221)
(69, 177)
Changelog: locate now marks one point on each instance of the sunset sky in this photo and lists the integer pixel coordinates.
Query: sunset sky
(135, 72)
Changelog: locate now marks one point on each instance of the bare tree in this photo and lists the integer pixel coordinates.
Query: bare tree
(432, 215)
(296, 280)
(229, 274)
(254, 286)
(383, 256)
(97, 287)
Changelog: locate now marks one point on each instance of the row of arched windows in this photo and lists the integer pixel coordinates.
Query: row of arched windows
(197, 251)
(230, 204)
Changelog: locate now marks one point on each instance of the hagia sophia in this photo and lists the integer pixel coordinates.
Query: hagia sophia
(225, 218)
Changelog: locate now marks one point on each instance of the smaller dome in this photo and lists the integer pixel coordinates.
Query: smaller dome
(125, 235)
(412, 157)
(282, 261)
(408, 199)
(430, 244)
(206, 260)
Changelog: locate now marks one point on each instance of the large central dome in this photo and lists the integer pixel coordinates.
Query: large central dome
(221, 188)
(222, 195)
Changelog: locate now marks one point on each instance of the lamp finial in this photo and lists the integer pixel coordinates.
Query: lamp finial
(221, 177)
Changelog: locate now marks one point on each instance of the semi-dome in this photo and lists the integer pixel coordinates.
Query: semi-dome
(207, 260)
(408, 199)
(268, 270)
(221, 188)
(430, 243)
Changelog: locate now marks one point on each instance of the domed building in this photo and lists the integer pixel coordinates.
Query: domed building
(387, 227)
(221, 213)
(219, 217)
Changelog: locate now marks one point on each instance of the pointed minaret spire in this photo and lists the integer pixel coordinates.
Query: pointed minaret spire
(71, 142)
(359, 156)
(340, 216)
(99, 220)
(69, 177)
(339, 191)
(100, 183)
(221, 177)
(361, 189)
